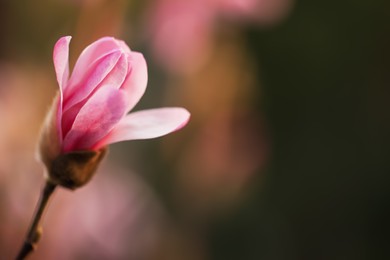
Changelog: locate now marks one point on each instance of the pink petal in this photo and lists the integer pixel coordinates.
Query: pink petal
(148, 124)
(90, 80)
(114, 79)
(123, 46)
(137, 79)
(61, 66)
(69, 116)
(95, 119)
(92, 52)
(61, 60)
(117, 75)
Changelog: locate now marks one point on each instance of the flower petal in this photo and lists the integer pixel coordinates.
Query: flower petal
(117, 75)
(123, 46)
(113, 79)
(96, 118)
(148, 124)
(61, 66)
(137, 79)
(90, 80)
(61, 60)
(92, 52)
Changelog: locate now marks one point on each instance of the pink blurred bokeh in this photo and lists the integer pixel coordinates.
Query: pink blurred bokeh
(182, 34)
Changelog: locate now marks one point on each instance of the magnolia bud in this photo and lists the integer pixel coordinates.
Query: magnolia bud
(90, 111)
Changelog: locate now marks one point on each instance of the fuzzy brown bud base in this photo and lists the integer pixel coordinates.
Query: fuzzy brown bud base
(73, 170)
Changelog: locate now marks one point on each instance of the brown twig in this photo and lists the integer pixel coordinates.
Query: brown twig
(34, 232)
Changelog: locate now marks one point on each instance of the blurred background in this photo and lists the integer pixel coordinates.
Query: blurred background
(285, 156)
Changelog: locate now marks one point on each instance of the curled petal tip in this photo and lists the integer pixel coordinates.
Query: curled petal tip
(186, 115)
(61, 43)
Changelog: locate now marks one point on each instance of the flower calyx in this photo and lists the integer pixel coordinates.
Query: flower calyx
(74, 169)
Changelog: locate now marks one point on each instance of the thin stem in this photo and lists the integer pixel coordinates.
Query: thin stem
(34, 232)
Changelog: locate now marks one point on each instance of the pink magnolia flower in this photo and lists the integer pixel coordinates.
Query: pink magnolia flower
(107, 82)
(91, 109)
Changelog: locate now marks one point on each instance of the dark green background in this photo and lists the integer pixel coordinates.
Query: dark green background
(326, 194)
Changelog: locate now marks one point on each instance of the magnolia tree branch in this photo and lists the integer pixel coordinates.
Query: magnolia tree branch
(35, 231)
